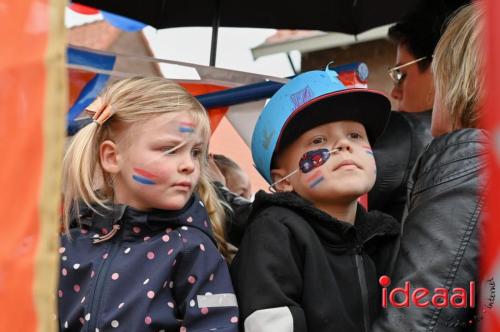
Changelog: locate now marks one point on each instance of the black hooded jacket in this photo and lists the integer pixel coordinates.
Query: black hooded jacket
(299, 269)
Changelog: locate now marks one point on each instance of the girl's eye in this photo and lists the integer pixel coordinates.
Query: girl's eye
(318, 140)
(196, 153)
(169, 150)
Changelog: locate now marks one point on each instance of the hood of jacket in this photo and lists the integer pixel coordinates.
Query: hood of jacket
(101, 221)
(366, 225)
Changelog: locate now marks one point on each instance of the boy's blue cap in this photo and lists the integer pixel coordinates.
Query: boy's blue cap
(310, 100)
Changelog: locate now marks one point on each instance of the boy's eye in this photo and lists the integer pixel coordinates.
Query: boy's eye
(355, 135)
(318, 140)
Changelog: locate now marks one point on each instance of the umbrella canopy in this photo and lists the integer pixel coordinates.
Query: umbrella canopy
(347, 16)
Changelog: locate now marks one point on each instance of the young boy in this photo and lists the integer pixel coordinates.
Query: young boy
(311, 256)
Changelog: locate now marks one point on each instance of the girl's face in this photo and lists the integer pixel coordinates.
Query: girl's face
(146, 176)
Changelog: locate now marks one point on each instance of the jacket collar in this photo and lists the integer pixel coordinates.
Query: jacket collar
(137, 223)
(367, 224)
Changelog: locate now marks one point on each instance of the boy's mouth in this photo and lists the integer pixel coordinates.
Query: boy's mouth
(346, 163)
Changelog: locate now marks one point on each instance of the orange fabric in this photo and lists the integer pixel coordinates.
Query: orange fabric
(22, 69)
(26, 28)
(215, 114)
(77, 81)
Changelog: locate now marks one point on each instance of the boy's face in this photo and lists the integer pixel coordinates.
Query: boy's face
(349, 172)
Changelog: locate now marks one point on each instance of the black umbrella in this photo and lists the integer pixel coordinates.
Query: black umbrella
(347, 16)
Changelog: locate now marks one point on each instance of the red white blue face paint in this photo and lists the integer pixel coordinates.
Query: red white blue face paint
(309, 161)
(368, 149)
(186, 127)
(144, 177)
(315, 178)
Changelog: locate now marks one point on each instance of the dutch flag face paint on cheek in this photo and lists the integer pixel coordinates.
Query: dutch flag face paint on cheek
(368, 150)
(144, 177)
(315, 179)
(186, 127)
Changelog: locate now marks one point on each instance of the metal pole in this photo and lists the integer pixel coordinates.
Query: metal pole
(215, 31)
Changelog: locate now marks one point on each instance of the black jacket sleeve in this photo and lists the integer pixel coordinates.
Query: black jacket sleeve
(267, 279)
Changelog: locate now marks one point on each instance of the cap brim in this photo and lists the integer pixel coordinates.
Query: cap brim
(370, 108)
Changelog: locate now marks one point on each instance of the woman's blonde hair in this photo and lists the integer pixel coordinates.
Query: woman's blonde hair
(458, 67)
(133, 101)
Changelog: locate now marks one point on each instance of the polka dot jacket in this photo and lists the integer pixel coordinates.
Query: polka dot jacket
(128, 270)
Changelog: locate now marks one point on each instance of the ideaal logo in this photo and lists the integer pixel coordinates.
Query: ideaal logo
(439, 297)
(403, 297)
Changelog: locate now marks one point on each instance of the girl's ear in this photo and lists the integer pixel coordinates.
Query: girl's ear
(109, 157)
(283, 185)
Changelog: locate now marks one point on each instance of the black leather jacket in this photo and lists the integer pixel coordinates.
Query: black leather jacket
(404, 139)
(440, 233)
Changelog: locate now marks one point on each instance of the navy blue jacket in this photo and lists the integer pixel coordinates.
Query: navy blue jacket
(161, 271)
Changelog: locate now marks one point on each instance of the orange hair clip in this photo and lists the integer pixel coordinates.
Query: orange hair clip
(100, 111)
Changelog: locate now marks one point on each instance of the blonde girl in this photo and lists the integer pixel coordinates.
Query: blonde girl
(143, 226)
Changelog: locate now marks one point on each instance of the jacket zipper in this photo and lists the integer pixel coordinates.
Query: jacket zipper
(360, 267)
(99, 286)
(364, 290)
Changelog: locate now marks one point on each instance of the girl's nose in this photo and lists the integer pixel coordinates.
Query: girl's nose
(187, 164)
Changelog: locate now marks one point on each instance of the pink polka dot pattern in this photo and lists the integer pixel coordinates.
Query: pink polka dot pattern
(140, 272)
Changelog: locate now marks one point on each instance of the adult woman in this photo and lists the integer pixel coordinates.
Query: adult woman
(440, 232)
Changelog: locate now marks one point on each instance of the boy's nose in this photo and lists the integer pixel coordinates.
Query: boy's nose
(343, 145)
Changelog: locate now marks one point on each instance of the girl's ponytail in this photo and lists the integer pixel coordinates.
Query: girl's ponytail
(79, 172)
(216, 213)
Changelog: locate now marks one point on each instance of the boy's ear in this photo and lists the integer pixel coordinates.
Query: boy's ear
(282, 186)
(108, 152)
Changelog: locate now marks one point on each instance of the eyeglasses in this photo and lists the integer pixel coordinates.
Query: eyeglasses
(395, 73)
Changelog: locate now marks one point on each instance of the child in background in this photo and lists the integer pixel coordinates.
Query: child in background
(141, 249)
(311, 256)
